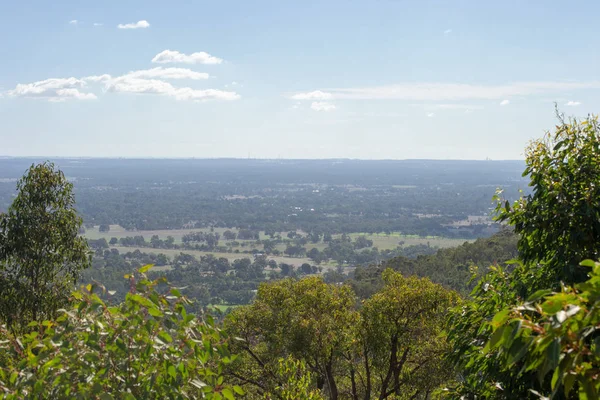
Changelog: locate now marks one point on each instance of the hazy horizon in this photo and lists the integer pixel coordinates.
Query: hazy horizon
(49, 157)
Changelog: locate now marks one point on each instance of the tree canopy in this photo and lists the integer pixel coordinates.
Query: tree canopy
(41, 254)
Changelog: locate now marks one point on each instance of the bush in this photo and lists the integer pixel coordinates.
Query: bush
(147, 347)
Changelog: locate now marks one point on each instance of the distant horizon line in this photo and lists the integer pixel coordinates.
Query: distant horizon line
(2, 157)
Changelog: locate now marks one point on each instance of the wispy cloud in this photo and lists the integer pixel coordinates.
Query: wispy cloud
(73, 22)
(322, 106)
(97, 78)
(572, 103)
(505, 102)
(173, 56)
(430, 115)
(167, 73)
(447, 91)
(134, 25)
(55, 90)
(98, 24)
(150, 81)
(447, 32)
(315, 95)
(154, 86)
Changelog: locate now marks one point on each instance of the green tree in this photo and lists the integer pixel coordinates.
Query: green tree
(307, 319)
(403, 342)
(391, 347)
(41, 254)
(559, 223)
(558, 227)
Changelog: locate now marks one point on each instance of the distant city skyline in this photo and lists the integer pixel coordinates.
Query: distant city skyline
(293, 80)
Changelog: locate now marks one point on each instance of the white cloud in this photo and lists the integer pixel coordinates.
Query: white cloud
(505, 102)
(127, 84)
(136, 85)
(322, 106)
(97, 78)
(135, 25)
(98, 24)
(315, 95)
(572, 103)
(56, 89)
(430, 115)
(173, 56)
(448, 91)
(447, 32)
(206, 94)
(64, 94)
(73, 22)
(167, 73)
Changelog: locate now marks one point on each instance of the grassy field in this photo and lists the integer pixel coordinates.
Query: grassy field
(230, 256)
(120, 232)
(381, 241)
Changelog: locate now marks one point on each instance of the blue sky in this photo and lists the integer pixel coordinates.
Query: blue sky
(292, 79)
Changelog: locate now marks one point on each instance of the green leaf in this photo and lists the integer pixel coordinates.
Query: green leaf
(588, 263)
(145, 268)
(165, 336)
(238, 390)
(171, 371)
(553, 353)
(538, 295)
(500, 318)
(155, 312)
(495, 340)
(228, 394)
(589, 389)
(568, 382)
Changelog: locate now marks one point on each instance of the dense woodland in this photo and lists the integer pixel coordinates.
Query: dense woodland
(512, 316)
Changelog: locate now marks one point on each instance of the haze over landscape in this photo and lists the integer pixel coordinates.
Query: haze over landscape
(278, 79)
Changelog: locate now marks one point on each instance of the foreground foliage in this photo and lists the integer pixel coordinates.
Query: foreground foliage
(147, 347)
(41, 255)
(559, 227)
(556, 335)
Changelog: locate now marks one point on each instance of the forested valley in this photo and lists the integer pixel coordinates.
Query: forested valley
(291, 279)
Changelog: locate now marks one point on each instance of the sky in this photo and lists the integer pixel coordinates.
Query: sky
(377, 79)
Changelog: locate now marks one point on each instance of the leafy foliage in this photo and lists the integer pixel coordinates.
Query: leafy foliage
(390, 346)
(558, 227)
(295, 381)
(557, 334)
(559, 222)
(402, 338)
(147, 347)
(41, 255)
(306, 319)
